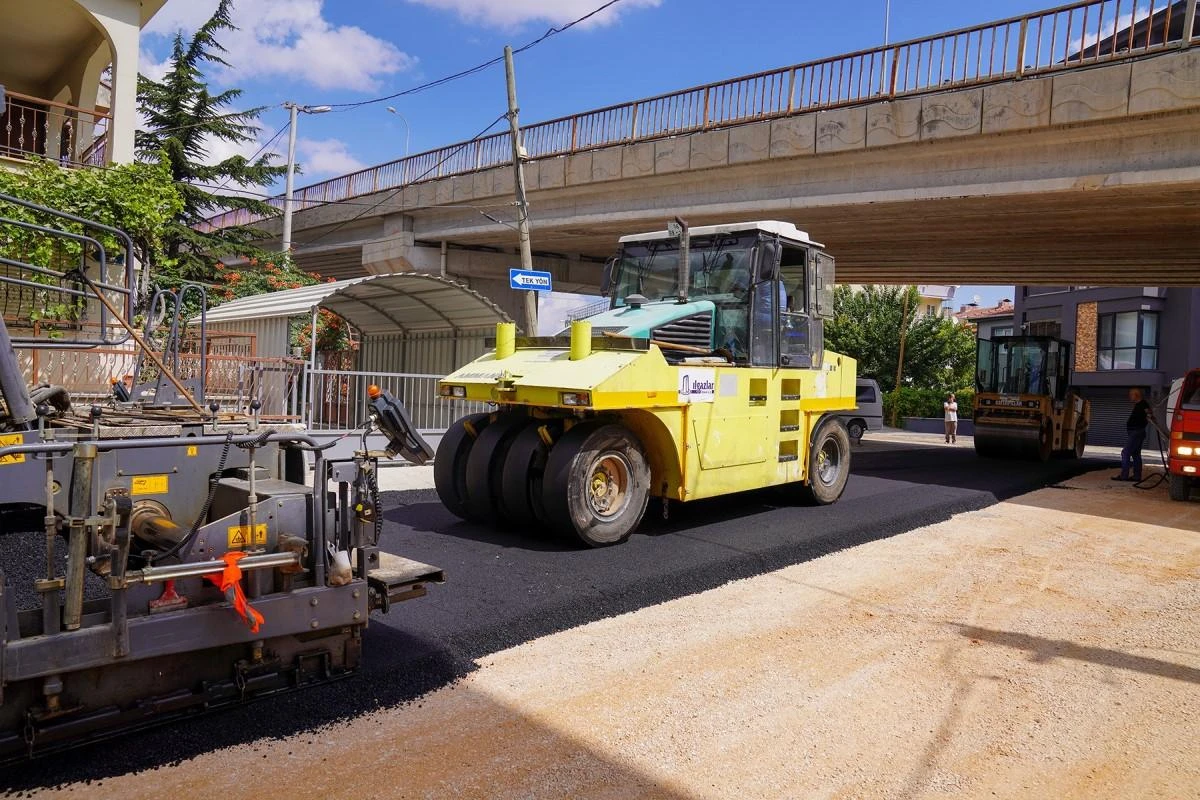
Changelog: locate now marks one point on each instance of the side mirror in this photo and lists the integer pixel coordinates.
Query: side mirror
(768, 261)
(606, 276)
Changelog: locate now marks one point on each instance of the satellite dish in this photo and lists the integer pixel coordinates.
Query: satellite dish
(975, 299)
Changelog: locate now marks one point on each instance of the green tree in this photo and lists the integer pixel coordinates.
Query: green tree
(140, 199)
(938, 353)
(182, 119)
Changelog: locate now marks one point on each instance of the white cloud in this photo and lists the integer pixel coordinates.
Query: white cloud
(509, 13)
(325, 157)
(292, 39)
(151, 68)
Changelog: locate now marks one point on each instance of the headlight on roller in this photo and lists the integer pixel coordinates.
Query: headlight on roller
(576, 398)
(446, 390)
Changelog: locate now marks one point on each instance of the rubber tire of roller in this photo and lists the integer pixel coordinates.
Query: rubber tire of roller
(520, 499)
(485, 461)
(825, 485)
(585, 453)
(450, 463)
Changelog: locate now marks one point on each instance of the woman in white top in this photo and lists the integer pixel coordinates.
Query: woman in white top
(951, 408)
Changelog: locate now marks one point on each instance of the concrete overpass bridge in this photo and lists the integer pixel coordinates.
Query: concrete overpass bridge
(1061, 148)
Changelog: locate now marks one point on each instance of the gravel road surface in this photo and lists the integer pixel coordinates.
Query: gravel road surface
(506, 590)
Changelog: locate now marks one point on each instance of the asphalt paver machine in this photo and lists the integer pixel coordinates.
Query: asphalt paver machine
(162, 557)
(1024, 404)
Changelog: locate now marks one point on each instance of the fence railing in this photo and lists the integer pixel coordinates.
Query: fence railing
(232, 380)
(338, 399)
(1077, 35)
(67, 134)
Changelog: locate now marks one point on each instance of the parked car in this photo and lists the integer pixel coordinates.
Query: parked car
(868, 414)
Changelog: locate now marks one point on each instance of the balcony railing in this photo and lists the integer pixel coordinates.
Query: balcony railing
(1077, 35)
(72, 136)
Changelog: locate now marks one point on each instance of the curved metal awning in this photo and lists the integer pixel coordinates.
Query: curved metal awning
(405, 302)
(410, 302)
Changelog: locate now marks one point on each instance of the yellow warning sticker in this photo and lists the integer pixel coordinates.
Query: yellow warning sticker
(192, 450)
(239, 536)
(148, 484)
(11, 439)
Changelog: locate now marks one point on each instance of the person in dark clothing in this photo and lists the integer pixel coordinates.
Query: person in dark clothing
(1135, 436)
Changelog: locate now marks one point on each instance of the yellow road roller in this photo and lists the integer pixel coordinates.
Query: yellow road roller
(1024, 404)
(707, 375)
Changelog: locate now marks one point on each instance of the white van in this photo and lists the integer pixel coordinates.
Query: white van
(868, 414)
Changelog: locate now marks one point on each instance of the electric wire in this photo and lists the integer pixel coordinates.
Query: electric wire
(552, 31)
(392, 193)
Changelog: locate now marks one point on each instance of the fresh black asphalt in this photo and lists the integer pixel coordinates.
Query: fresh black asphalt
(506, 587)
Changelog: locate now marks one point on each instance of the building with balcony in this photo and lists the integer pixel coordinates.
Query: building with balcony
(69, 70)
(1141, 337)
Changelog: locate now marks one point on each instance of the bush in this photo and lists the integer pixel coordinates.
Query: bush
(911, 402)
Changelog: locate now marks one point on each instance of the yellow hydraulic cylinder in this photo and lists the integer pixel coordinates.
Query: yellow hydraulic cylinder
(581, 340)
(506, 339)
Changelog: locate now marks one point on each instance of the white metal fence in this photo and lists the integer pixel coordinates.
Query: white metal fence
(338, 399)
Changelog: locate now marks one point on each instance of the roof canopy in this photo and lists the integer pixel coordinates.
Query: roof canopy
(405, 302)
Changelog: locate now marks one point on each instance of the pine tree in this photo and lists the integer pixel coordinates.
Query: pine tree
(182, 117)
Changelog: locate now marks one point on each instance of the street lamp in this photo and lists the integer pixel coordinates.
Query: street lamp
(407, 129)
(887, 21)
(294, 109)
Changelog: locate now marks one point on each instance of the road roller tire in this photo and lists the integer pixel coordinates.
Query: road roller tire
(485, 462)
(828, 465)
(1179, 487)
(450, 462)
(596, 484)
(520, 498)
(1045, 446)
(1080, 444)
(985, 447)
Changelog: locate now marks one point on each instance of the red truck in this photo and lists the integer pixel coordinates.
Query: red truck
(1184, 462)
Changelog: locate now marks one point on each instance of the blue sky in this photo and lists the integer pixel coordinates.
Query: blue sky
(338, 51)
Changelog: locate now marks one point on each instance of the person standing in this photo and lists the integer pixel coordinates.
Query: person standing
(951, 409)
(1135, 437)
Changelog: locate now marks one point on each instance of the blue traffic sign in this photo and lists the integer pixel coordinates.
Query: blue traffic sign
(530, 279)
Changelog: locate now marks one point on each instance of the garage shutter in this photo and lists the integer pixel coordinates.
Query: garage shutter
(1109, 412)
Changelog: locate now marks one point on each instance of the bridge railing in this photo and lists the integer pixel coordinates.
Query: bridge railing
(1071, 36)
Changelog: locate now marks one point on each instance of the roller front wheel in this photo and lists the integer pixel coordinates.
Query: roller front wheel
(450, 462)
(597, 483)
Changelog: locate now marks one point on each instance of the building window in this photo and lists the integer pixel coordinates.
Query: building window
(1128, 340)
(1005, 331)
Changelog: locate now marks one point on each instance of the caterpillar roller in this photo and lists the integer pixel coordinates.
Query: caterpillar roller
(161, 556)
(706, 375)
(1024, 404)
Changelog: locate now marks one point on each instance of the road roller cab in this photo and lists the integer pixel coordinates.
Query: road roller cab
(1024, 404)
(707, 375)
(1184, 461)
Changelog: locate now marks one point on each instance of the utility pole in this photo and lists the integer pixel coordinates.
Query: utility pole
(286, 239)
(900, 361)
(531, 315)
(293, 109)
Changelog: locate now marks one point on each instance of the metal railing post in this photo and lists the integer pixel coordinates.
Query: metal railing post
(1021, 46)
(705, 123)
(1189, 25)
(895, 72)
(633, 130)
(791, 104)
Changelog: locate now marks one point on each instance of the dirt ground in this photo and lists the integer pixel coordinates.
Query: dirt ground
(1045, 647)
